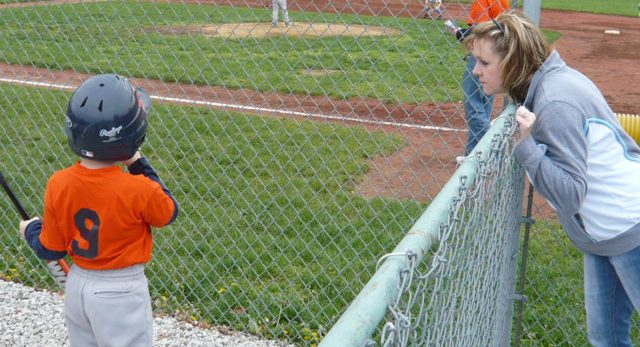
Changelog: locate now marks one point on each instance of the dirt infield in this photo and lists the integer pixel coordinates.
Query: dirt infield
(609, 60)
(300, 29)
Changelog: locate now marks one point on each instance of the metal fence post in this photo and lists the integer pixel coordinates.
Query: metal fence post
(532, 10)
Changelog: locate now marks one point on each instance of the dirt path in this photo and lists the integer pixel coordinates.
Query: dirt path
(611, 61)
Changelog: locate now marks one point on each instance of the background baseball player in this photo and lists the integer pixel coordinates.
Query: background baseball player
(102, 216)
(280, 5)
(432, 9)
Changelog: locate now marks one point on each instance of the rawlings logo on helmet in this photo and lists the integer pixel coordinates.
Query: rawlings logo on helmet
(110, 133)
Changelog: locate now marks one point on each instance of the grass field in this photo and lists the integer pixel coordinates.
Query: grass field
(554, 311)
(397, 69)
(385, 68)
(273, 238)
(613, 7)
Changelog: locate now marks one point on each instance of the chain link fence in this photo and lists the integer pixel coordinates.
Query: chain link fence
(300, 155)
(451, 280)
(464, 295)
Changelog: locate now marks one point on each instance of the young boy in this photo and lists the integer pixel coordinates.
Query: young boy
(102, 216)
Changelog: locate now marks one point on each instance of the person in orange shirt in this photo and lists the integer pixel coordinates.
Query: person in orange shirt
(102, 216)
(478, 106)
(486, 10)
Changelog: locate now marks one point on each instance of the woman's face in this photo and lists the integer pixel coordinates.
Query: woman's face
(488, 66)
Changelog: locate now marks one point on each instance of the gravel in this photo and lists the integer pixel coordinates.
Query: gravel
(30, 317)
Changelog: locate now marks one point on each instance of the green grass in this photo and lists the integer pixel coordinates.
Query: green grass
(554, 312)
(16, 1)
(613, 7)
(420, 65)
(554, 290)
(272, 238)
(405, 68)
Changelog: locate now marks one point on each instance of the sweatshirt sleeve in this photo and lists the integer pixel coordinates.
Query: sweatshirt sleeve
(555, 156)
(32, 235)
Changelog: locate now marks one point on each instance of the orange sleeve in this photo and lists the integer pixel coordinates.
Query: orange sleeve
(160, 207)
(53, 237)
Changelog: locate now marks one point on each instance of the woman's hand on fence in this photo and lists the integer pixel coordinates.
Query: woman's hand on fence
(525, 119)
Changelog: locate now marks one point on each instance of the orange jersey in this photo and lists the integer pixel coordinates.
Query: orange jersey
(485, 10)
(103, 217)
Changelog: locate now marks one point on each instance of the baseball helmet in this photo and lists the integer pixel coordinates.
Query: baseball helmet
(107, 118)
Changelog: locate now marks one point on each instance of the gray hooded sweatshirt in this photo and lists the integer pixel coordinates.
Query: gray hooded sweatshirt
(582, 161)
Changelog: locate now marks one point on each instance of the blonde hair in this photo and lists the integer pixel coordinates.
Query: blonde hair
(521, 45)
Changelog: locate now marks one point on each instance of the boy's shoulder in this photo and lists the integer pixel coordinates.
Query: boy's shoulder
(77, 172)
(65, 172)
(113, 178)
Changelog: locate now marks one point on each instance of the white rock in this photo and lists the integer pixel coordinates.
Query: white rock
(30, 317)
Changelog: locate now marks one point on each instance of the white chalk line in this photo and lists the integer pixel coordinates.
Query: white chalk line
(247, 108)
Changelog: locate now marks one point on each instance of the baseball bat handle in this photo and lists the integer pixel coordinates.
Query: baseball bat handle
(5, 185)
(58, 268)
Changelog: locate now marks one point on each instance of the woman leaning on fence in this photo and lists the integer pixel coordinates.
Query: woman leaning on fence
(578, 157)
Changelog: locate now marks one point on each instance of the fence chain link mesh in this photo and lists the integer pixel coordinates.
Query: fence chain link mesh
(299, 155)
(462, 294)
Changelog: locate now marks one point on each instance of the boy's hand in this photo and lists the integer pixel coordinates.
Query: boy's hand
(24, 223)
(451, 27)
(133, 159)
